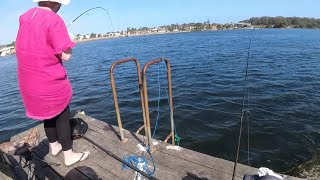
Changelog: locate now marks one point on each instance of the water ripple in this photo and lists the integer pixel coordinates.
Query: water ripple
(207, 79)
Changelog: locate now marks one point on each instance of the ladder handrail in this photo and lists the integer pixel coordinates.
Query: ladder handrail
(146, 100)
(114, 92)
(170, 101)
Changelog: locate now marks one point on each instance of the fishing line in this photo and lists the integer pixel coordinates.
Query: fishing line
(89, 11)
(244, 111)
(85, 12)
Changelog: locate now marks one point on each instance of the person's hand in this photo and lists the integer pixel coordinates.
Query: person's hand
(66, 55)
(71, 36)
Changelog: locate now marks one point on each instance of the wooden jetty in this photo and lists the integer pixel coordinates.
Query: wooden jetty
(172, 162)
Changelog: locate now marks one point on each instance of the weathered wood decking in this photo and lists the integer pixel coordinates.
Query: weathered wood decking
(170, 164)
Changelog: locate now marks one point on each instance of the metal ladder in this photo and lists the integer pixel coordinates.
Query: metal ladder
(142, 84)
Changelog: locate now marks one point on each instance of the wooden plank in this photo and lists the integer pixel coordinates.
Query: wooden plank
(18, 164)
(42, 170)
(165, 161)
(57, 172)
(82, 169)
(161, 173)
(68, 173)
(100, 162)
(86, 169)
(185, 154)
(171, 164)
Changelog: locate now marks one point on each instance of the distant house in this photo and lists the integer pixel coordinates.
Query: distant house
(123, 33)
(175, 30)
(153, 30)
(214, 27)
(162, 30)
(241, 25)
(117, 34)
(86, 36)
(114, 34)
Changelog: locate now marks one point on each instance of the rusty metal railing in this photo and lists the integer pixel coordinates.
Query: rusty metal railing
(115, 99)
(146, 100)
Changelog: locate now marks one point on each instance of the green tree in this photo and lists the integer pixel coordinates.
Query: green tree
(282, 22)
(93, 35)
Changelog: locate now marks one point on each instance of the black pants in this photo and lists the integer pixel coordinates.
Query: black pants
(58, 129)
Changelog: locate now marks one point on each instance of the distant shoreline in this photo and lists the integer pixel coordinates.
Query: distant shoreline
(161, 33)
(135, 35)
(177, 32)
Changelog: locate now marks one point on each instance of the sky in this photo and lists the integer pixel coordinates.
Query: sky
(154, 13)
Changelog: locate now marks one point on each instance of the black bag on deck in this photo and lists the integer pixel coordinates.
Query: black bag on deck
(78, 128)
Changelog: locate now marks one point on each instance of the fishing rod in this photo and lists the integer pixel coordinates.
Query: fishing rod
(243, 109)
(91, 10)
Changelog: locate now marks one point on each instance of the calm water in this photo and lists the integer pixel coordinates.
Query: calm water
(208, 71)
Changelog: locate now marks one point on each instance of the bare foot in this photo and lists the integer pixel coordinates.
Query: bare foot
(71, 157)
(55, 148)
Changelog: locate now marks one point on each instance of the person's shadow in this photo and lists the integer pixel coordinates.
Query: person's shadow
(191, 176)
(86, 173)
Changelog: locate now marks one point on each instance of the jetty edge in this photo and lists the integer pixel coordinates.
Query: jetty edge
(172, 162)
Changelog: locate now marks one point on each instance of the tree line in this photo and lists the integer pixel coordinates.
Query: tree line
(180, 27)
(284, 22)
(8, 45)
(186, 26)
(263, 22)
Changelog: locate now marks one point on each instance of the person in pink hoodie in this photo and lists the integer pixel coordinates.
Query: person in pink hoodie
(42, 45)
